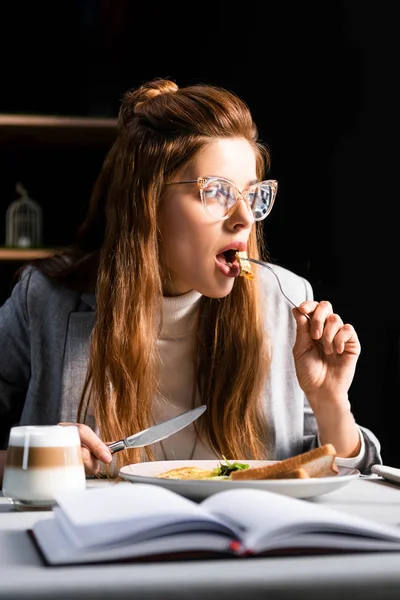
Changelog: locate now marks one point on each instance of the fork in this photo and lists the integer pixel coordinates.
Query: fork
(264, 264)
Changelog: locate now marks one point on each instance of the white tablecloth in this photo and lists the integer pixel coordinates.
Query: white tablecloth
(373, 576)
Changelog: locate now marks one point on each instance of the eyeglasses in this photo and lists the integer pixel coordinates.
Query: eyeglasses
(220, 196)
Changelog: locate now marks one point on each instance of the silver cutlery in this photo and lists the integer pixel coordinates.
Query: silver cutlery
(389, 473)
(264, 264)
(158, 432)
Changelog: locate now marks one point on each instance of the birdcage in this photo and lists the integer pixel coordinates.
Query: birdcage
(24, 221)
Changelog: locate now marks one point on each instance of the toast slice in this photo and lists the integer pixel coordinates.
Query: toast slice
(319, 462)
(300, 473)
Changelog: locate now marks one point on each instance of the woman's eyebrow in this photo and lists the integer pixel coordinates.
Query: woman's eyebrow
(252, 182)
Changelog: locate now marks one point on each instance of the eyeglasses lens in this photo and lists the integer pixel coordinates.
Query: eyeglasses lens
(220, 197)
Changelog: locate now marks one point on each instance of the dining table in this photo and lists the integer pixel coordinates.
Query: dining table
(368, 575)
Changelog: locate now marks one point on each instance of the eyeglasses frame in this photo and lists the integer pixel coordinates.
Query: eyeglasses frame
(203, 181)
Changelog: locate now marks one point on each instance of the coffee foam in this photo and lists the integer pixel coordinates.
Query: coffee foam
(44, 436)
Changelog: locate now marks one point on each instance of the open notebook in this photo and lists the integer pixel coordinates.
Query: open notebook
(143, 521)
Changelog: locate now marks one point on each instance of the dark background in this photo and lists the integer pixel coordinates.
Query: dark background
(322, 81)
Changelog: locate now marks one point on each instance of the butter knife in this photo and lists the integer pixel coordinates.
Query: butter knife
(389, 473)
(159, 432)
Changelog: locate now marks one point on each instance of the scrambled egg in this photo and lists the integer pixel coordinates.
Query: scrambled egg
(190, 473)
(245, 266)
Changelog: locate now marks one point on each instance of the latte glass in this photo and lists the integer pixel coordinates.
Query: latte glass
(42, 460)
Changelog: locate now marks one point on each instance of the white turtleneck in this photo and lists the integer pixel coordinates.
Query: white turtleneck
(176, 378)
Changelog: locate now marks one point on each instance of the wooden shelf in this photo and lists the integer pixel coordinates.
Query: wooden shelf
(21, 254)
(54, 121)
(56, 129)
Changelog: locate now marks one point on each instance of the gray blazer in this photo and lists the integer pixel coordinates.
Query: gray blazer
(44, 347)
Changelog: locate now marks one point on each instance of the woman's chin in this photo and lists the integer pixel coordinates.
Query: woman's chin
(218, 289)
(217, 286)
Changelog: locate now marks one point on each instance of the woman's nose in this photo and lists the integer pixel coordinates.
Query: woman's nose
(242, 215)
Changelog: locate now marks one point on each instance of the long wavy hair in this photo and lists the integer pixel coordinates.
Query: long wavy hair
(160, 128)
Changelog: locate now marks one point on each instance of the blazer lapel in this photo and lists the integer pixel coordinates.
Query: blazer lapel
(77, 349)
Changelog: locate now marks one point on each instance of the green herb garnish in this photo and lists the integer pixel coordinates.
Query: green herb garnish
(224, 470)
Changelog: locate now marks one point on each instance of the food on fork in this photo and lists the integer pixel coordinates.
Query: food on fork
(319, 462)
(245, 266)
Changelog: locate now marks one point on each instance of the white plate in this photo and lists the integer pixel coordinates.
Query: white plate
(147, 472)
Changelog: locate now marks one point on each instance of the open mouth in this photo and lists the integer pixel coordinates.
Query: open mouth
(228, 257)
(227, 263)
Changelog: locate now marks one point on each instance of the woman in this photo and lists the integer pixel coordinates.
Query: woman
(147, 315)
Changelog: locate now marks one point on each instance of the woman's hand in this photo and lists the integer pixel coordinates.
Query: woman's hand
(93, 449)
(325, 352)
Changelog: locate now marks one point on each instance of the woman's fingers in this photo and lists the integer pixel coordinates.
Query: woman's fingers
(318, 312)
(93, 449)
(326, 327)
(347, 340)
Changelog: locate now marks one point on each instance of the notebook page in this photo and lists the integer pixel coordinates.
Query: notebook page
(57, 550)
(265, 516)
(107, 515)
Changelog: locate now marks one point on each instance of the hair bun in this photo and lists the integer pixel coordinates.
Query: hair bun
(136, 98)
